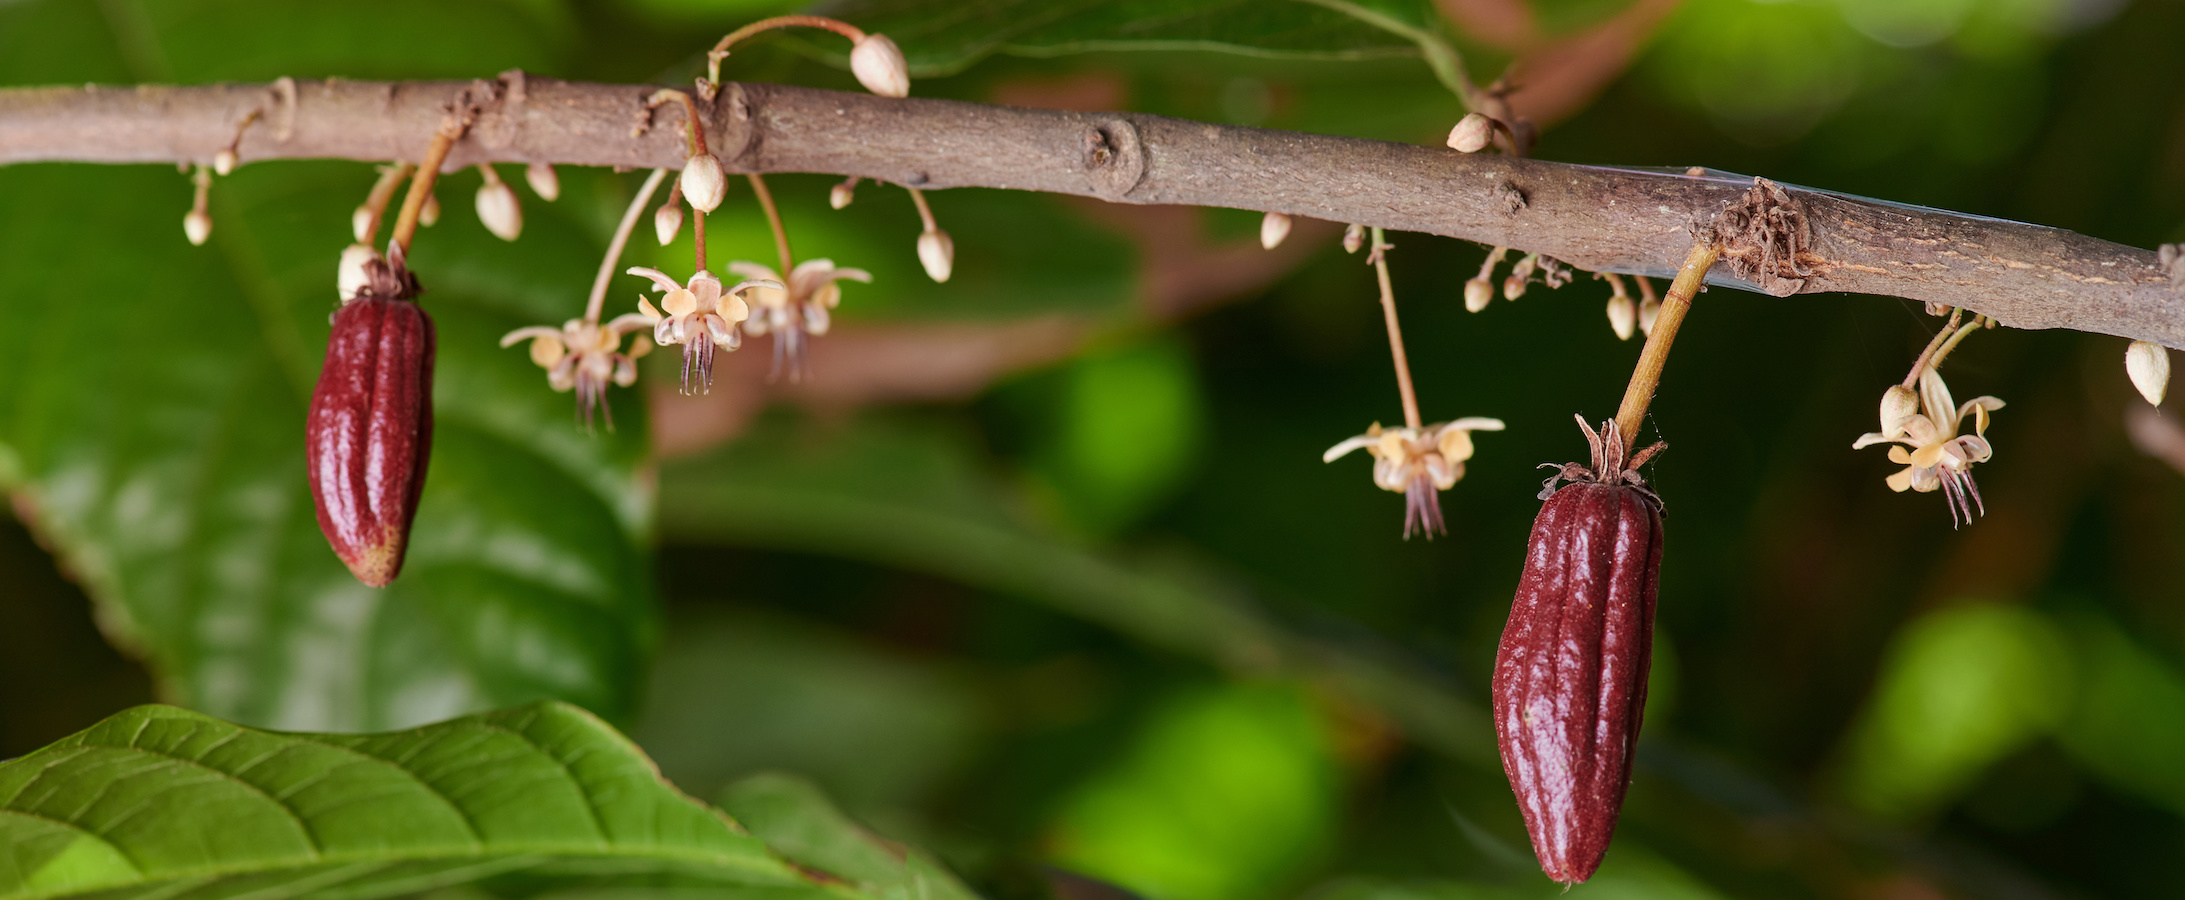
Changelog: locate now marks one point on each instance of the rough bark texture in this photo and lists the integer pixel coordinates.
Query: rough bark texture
(1570, 676)
(1603, 219)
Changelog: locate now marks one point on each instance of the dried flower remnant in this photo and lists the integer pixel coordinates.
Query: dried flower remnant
(587, 356)
(1418, 463)
(1938, 456)
(700, 316)
(794, 312)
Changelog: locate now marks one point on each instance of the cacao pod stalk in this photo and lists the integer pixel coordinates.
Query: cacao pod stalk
(1570, 676)
(369, 433)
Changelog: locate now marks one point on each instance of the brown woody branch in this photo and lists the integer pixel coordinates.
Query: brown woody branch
(1780, 239)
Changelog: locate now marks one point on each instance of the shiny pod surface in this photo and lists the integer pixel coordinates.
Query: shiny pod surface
(1570, 677)
(369, 434)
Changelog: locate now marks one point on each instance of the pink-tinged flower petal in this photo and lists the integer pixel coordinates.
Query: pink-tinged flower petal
(660, 280)
(1390, 474)
(528, 332)
(1349, 444)
(816, 320)
(628, 322)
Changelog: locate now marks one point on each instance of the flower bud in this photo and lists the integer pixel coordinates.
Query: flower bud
(2149, 365)
(1477, 294)
(879, 66)
(197, 226)
(499, 210)
(360, 222)
(1898, 403)
(1354, 237)
(1513, 287)
(937, 253)
(1472, 133)
(543, 181)
(223, 162)
(1273, 227)
(368, 435)
(840, 195)
(429, 215)
(666, 221)
(1649, 310)
(704, 182)
(349, 277)
(1623, 316)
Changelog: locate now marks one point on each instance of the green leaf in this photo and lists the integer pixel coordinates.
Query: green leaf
(941, 37)
(795, 819)
(152, 399)
(163, 802)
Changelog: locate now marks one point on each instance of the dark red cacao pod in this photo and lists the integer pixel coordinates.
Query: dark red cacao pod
(1570, 676)
(369, 434)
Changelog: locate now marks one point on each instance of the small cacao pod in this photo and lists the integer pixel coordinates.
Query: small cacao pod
(369, 433)
(1570, 676)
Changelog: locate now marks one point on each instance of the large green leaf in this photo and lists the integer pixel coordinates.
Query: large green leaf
(162, 802)
(944, 36)
(152, 399)
(795, 819)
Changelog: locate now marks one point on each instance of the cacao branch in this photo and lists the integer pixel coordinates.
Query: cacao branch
(1777, 239)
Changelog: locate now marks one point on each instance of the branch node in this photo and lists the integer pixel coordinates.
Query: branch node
(1113, 158)
(1766, 239)
(2171, 258)
(1513, 198)
(284, 123)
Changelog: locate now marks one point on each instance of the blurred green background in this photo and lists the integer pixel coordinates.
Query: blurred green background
(1041, 570)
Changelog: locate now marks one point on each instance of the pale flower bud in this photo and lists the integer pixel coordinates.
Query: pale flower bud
(937, 253)
(666, 221)
(1513, 287)
(429, 215)
(1649, 310)
(1472, 133)
(840, 195)
(879, 66)
(1354, 237)
(360, 222)
(704, 182)
(543, 181)
(2149, 365)
(223, 162)
(1273, 227)
(349, 278)
(1623, 316)
(1898, 404)
(1477, 294)
(197, 226)
(499, 210)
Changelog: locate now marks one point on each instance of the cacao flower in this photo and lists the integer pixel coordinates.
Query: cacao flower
(1570, 676)
(369, 432)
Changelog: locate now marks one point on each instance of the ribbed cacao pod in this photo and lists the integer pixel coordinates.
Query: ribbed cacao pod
(1570, 677)
(369, 433)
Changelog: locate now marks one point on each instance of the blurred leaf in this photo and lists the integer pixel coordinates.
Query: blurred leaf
(1960, 689)
(151, 412)
(798, 822)
(162, 802)
(1128, 426)
(732, 695)
(2129, 724)
(1226, 793)
(941, 37)
(914, 496)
